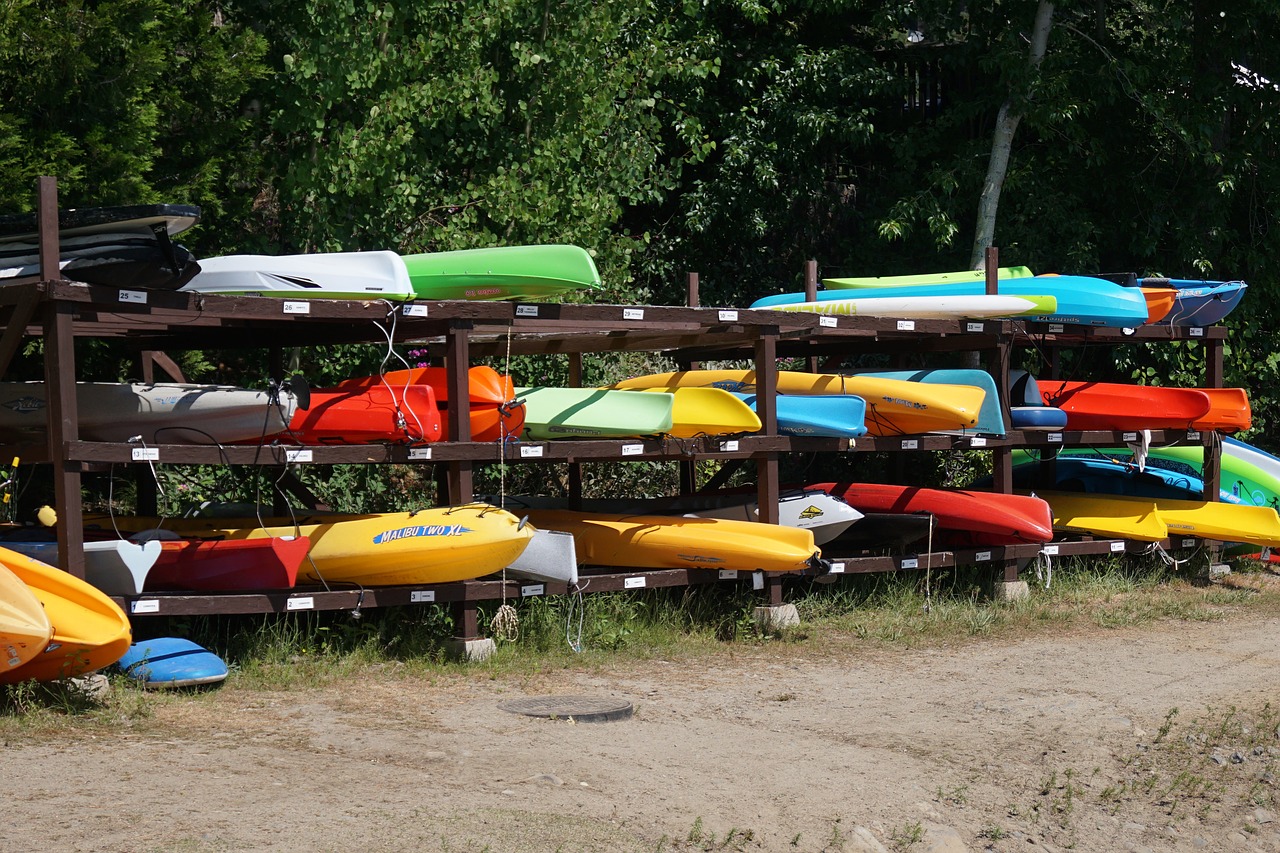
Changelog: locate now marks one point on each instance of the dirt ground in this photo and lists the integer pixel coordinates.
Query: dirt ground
(1047, 743)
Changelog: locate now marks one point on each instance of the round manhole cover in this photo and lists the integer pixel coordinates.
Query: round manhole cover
(582, 709)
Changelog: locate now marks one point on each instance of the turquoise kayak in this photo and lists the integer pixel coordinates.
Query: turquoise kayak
(502, 272)
(827, 415)
(1082, 300)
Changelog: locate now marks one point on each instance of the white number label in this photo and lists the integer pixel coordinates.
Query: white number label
(1049, 550)
(305, 602)
(728, 316)
(532, 452)
(910, 563)
(1130, 436)
(1057, 327)
(910, 444)
(633, 313)
(297, 307)
(1188, 543)
(145, 454)
(727, 574)
(977, 441)
(828, 321)
(632, 449)
(906, 325)
(297, 456)
(138, 296)
(422, 596)
(526, 310)
(1193, 435)
(728, 446)
(633, 583)
(533, 589)
(974, 327)
(757, 580)
(419, 453)
(1117, 546)
(1054, 438)
(415, 311)
(148, 605)
(837, 568)
(982, 557)
(1197, 332)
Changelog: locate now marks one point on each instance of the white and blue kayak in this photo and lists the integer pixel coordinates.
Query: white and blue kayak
(329, 275)
(169, 662)
(869, 303)
(1082, 300)
(824, 415)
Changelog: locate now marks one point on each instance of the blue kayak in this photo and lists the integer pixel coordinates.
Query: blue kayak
(1082, 300)
(1104, 477)
(990, 419)
(828, 415)
(1202, 303)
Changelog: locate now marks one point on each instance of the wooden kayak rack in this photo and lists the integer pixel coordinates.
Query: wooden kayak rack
(154, 322)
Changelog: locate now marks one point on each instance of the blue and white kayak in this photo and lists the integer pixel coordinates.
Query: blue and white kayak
(1201, 303)
(172, 662)
(827, 415)
(1082, 300)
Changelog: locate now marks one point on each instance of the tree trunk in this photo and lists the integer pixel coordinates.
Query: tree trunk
(1002, 144)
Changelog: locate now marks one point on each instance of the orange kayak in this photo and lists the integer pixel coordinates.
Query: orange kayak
(397, 413)
(1117, 406)
(494, 414)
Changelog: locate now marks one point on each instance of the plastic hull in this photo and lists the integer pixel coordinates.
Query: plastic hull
(503, 272)
(328, 275)
(25, 629)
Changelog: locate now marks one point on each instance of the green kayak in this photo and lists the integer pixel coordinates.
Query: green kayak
(503, 272)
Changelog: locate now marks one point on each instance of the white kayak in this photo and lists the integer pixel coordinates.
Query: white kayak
(329, 275)
(826, 516)
(157, 412)
(928, 307)
(115, 566)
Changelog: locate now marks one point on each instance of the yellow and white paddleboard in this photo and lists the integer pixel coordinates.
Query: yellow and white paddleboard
(24, 626)
(1256, 525)
(708, 411)
(681, 542)
(383, 549)
(1107, 516)
(89, 630)
(894, 406)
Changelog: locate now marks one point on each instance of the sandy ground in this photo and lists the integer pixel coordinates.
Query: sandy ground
(1040, 744)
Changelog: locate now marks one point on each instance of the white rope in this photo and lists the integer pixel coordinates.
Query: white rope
(1044, 575)
(505, 624)
(575, 643)
(928, 569)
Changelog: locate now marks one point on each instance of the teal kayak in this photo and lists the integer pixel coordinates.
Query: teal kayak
(502, 272)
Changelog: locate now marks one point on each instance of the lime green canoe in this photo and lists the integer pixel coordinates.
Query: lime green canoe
(593, 413)
(503, 272)
(922, 278)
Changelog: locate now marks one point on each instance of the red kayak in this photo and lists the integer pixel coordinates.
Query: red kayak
(960, 515)
(495, 415)
(224, 565)
(366, 415)
(1119, 406)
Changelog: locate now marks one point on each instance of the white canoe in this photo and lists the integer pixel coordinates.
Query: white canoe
(330, 275)
(928, 307)
(158, 412)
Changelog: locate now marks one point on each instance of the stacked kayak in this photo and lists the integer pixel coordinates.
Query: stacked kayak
(157, 412)
(1199, 303)
(25, 629)
(942, 307)
(824, 515)
(893, 406)
(495, 413)
(121, 247)
(978, 517)
(826, 415)
(89, 630)
(1079, 299)
(960, 276)
(1105, 476)
(680, 542)
(115, 566)
(373, 413)
(379, 549)
(1118, 406)
(1148, 519)
(990, 418)
(226, 565)
(552, 413)
(507, 272)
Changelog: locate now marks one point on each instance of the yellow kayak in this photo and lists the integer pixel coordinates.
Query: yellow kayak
(680, 542)
(24, 626)
(1107, 516)
(1256, 525)
(709, 411)
(894, 406)
(383, 549)
(89, 630)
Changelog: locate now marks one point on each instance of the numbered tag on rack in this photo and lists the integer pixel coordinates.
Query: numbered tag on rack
(828, 321)
(974, 327)
(302, 602)
(910, 444)
(293, 307)
(138, 297)
(145, 605)
(633, 450)
(419, 454)
(145, 454)
(530, 451)
(1197, 332)
(727, 316)
(906, 325)
(415, 311)
(422, 596)
(526, 310)
(633, 583)
(532, 589)
(297, 456)
(633, 313)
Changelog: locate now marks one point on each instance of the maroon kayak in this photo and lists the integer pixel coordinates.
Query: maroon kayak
(222, 565)
(961, 516)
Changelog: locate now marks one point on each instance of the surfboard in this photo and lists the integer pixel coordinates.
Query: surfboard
(551, 413)
(927, 307)
(171, 662)
(1082, 300)
(89, 630)
(894, 406)
(24, 626)
(502, 272)
(327, 275)
(924, 278)
(828, 415)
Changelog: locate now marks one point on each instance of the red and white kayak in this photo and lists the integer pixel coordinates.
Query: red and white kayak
(224, 565)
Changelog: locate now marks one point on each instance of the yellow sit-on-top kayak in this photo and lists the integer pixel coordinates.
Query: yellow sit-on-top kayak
(24, 626)
(383, 549)
(1107, 516)
(89, 630)
(681, 542)
(894, 406)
